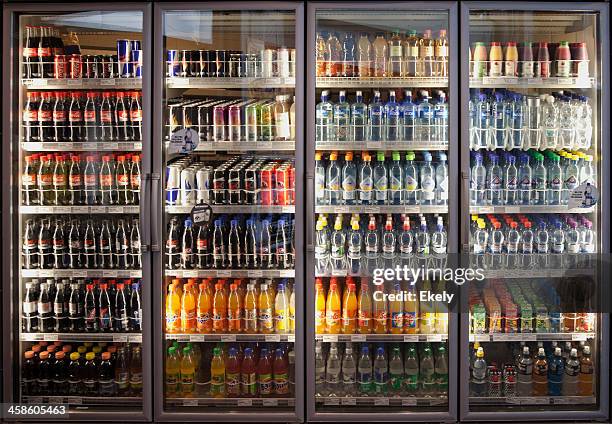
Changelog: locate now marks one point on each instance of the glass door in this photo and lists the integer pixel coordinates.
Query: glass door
(535, 159)
(75, 157)
(381, 201)
(231, 291)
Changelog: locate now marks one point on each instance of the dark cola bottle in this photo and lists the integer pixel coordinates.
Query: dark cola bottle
(30, 53)
(90, 117)
(136, 116)
(75, 247)
(45, 245)
(105, 250)
(122, 114)
(59, 247)
(75, 118)
(122, 249)
(91, 311)
(45, 53)
(60, 117)
(106, 118)
(30, 117)
(46, 132)
(90, 258)
(30, 246)
(76, 308)
(135, 248)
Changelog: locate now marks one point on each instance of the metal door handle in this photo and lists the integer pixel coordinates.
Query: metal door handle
(155, 207)
(309, 213)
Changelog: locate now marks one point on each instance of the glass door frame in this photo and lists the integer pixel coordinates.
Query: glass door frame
(157, 209)
(452, 10)
(604, 205)
(11, 254)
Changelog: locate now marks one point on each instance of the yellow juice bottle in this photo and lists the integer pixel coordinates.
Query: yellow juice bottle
(319, 307)
(250, 310)
(173, 310)
(332, 309)
(187, 372)
(266, 310)
(396, 309)
(364, 308)
(188, 309)
(172, 372)
(204, 311)
(217, 374)
(349, 309)
(411, 312)
(380, 310)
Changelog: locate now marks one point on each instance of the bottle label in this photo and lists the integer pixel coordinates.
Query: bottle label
(30, 115)
(106, 387)
(90, 116)
(365, 382)
(281, 384)
(59, 115)
(44, 308)
(75, 116)
(187, 379)
(510, 67)
(397, 382)
(265, 319)
(136, 115)
(266, 384)
(122, 116)
(511, 183)
(106, 180)
(232, 383)
(248, 382)
(28, 180)
(411, 183)
(135, 380)
(283, 128)
(563, 68)
(106, 117)
(410, 320)
(442, 51)
(122, 380)
(495, 69)
(427, 186)
(332, 318)
(30, 52)
(411, 382)
(397, 319)
(59, 179)
(44, 51)
(45, 116)
(527, 69)
(29, 307)
(123, 180)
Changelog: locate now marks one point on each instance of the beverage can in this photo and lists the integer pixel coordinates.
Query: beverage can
(266, 185)
(219, 187)
(187, 196)
(282, 184)
(107, 65)
(123, 58)
(220, 64)
(59, 66)
(91, 66)
(173, 185)
(136, 63)
(172, 64)
(283, 63)
(233, 183)
(75, 66)
(267, 63)
(250, 185)
(234, 122)
(203, 176)
(185, 61)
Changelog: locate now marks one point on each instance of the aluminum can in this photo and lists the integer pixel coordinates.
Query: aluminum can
(75, 66)
(188, 184)
(234, 122)
(219, 122)
(135, 45)
(267, 63)
(123, 58)
(282, 186)
(107, 65)
(282, 63)
(59, 66)
(219, 185)
(250, 186)
(203, 176)
(266, 185)
(185, 59)
(234, 186)
(90, 68)
(291, 191)
(172, 63)
(136, 63)
(173, 184)
(220, 63)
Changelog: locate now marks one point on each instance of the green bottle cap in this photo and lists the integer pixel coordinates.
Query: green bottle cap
(395, 156)
(380, 156)
(410, 156)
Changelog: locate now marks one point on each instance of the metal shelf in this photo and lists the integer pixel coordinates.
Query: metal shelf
(382, 401)
(235, 209)
(408, 338)
(381, 209)
(245, 146)
(373, 82)
(81, 273)
(83, 337)
(552, 82)
(101, 146)
(69, 83)
(98, 210)
(529, 273)
(225, 402)
(83, 400)
(534, 400)
(232, 337)
(229, 273)
(531, 337)
(247, 82)
(382, 145)
(530, 209)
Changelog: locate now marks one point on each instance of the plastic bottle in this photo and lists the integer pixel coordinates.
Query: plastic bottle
(364, 309)
(342, 118)
(442, 181)
(478, 182)
(333, 313)
(349, 372)
(338, 243)
(217, 374)
(349, 180)
(353, 256)
(280, 374)
(550, 124)
(381, 55)
(411, 371)
(524, 377)
(265, 379)
(427, 181)
(555, 181)
(539, 181)
(248, 375)
(333, 180)
(396, 178)
(364, 55)
(364, 372)
(511, 182)
(585, 377)
(281, 310)
(266, 312)
(540, 374)
(572, 372)
(396, 372)
(556, 372)
(482, 122)
(349, 309)
(478, 386)
(441, 370)
(408, 115)
(376, 118)
(425, 124)
(332, 373)
(219, 310)
(172, 370)
(381, 179)
(495, 181)
(359, 114)
(392, 119)
(498, 122)
(411, 180)
(320, 304)
(320, 387)
(380, 311)
(324, 118)
(381, 373)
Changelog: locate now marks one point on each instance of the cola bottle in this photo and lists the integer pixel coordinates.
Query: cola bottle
(91, 310)
(60, 313)
(136, 116)
(60, 117)
(60, 185)
(56, 42)
(112, 291)
(135, 309)
(28, 183)
(30, 246)
(90, 259)
(105, 247)
(106, 118)
(202, 249)
(135, 179)
(75, 118)
(45, 310)
(30, 309)
(105, 314)
(45, 53)
(135, 249)
(122, 250)
(172, 246)
(76, 308)
(30, 53)
(30, 117)
(121, 316)
(45, 118)
(90, 181)
(45, 245)
(122, 181)
(122, 114)
(106, 182)
(74, 246)
(90, 118)
(59, 248)
(45, 180)
(75, 182)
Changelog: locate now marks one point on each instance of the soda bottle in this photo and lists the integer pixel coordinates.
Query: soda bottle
(45, 310)
(46, 132)
(90, 118)
(217, 374)
(281, 310)
(136, 116)
(30, 117)
(266, 312)
(30, 53)
(204, 309)
(219, 308)
(585, 377)
(172, 246)
(105, 313)
(234, 309)
(75, 118)
(478, 386)
(172, 371)
(122, 372)
(232, 374)
(333, 309)
(44, 374)
(381, 373)
(411, 370)
(135, 372)
(28, 183)
(173, 308)
(44, 180)
(59, 248)
(106, 384)
(106, 182)
(427, 370)
(349, 309)
(122, 118)
(30, 246)
(30, 309)
(380, 312)
(76, 308)
(320, 304)
(75, 377)
(218, 242)
(60, 117)
(187, 371)
(396, 372)
(396, 309)
(248, 375)
(106, 118)
(349, 371)
(364, 372)
(90, 375)
(59, 182)
(280, 374)
(60, 314)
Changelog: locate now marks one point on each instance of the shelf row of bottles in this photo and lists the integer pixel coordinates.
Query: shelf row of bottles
(219, 119)
(82, 242)
(46, 54)
(76, 306)
(400, 54)
(248, 180)
(411, 119)
(369, 242)
(355, 180)
(516, 372)
(103, 370)
(219, 307)
(377, 308)
(381, 370)
(532, 307)
(50, 180)
(541, 178)
(229, 370)
(233, 242)
(502, 119)
(82, 116)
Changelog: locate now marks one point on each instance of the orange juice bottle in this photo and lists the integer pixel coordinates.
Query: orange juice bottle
(178, 287)
(266, 312)
(219, 309)
(188, 310)
(332, 309)
(411, 312)
(319, 307)
(364, 308)
(349, 309)
(250, 310)
(234, 310)
(396, 306)
(204, 312)
(380, 310)
(173, 309)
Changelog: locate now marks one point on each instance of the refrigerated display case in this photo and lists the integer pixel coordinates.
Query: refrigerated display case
(76, 152)
(381, 107)
(535, 165)
(229, 271)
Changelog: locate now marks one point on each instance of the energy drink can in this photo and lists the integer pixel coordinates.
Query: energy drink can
(234, 186)
(185, 59)
(203, 176)
(172, 63)
(219, 185)
(188, 183)
(173, 184)
(123, 58)
(136, 63)
(266, 185)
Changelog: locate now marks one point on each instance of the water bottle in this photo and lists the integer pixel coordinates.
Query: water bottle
(381, 180)
(406, 243)
(408, 115)
(482, 133)
(396, 179)
(550, 124)
(498, 122)
(442, 181)
(587, 242)
(441, 118)
(511, 182)
(426, 371)
(516, 122)
(320, 388)
(366, 181)
(320, 172)
(359, 113)
(425, 122)
(494, 181)
(533, 117)
(525, 371)
(428, 183)
(524, 180)
(411, 180)
(388, 245)
(392, 118)
(342, 118)
(570, 176)
(265, 245)
(322, 248)
(567, 124)
(473, 122)
(333, 179)
(337, 253)
(558, 245)
(349, 372)
(364, 372)
(439, 240)
(527, 242)
(542, 244)
(478, 181)
(513, 239)
(396, 372)
(587, 172)
(555, 181)
(325, 118)
(584, 123)
(422, 241)
(354, 249)
(332, 372)
(376, 115)
(497, 245)
(349, 180)
(371, 247)
(481, 239)
(539, 181)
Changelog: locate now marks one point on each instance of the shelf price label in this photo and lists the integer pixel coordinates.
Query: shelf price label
(358, 338)
(244, 402)
(409, 402)
(228, 338)
(332, 401)
(272, 337)
(411, 338)
(330, 338)
(270, 402)
(190, 402)
(381, 402)
(349, 401)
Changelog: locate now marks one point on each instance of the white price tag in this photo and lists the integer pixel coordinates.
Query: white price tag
(39, 82)
(114, 209)
(79, 274)
(485, 209)
(332, 401)
(272, 337)
(120, 338)
(482, 337)
(255, 273)
(568, 81)
(534, 81)
(288, 209)
(138, 146)
(513, 209)
(190, 274)
(358, 338)
(409, 402)
(529, 337)
(434, 337)
(329, 338)
(228, 338)
(190, 402)
(381, 402)
(579, 337)
(342, 209)
(371, 209)
(349, 401)
(198, 338)
(411, 338)
(108, 81)
(269, 402)
(52, 337)
(65, 146)
(74, 82)
(112, 146)
(74, 400)
(291, 338)
(35, 399)
(224, 273)
(109, 273)
(287, 273)
(374, 144)
(80, 209)
(135, 338)
(90, 146)
(244, 402)
(561, 400)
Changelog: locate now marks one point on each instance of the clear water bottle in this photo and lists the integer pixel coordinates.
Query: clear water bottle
(332, 373)
(442, 181)
(376, 115)
(478, 181)
(482, 122)
(425, 122)
(527, 243)
(439, 240)
(498, 122)
(372, 251)
(496, 246)
(539, 181)
(495, 181)
(322, 248)
(392, 119)
(349, 180)
(396, 178)
(550, 124)
(481, 239)
(426, 371)
(511, 181)
(396, 373)
(570, 177)
(567, 124)
(516, 122)
(408, 115)
(381, 180)
(320, 172)
(422, 241)
(353, 255)
(381, 373)
(441, 118)
(366, 181)
(342, 118)
(364, 373)
(542, 244)
(359, 114)
(524, 181)
(338, 242)
(411, 180)
(349, 372)
(555, 181)
(406, 243)
(320, 389)
(584, 123)
(427, 179)
(533, 119)
(324, 118)
(333, 180)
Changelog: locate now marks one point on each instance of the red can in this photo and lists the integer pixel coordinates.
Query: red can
(266, 184)
(59, 66)
(282, 184)
(76, 66)
(291, 191)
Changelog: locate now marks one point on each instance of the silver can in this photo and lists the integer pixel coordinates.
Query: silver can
(173, 184)
(292, 60)
(282, 63)
(267, 63)
(188, 195)
(203, 177)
